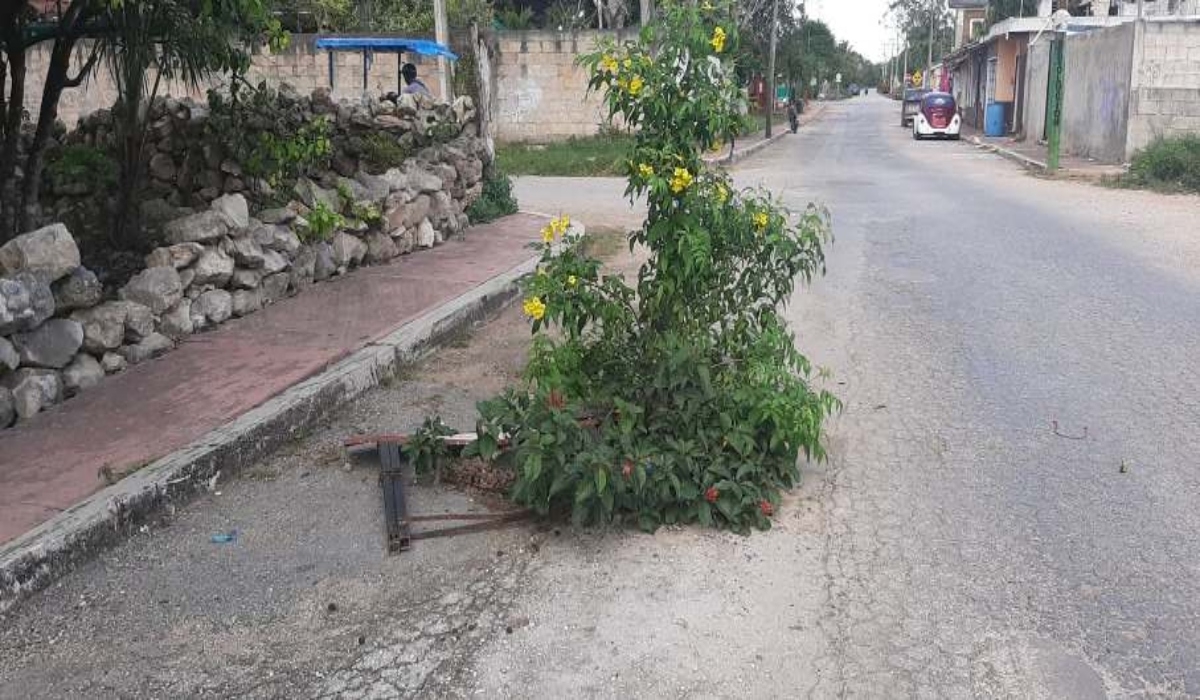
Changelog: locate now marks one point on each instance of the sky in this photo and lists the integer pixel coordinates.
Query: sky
(856, 21)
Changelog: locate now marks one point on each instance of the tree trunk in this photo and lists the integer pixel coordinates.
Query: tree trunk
(56, 82)
(58, 78)
(15, 104)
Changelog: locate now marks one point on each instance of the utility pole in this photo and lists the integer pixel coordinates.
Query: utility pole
(1055, 102)
(929, 58)
(441, 29)
(771, 67)
(1141, 8)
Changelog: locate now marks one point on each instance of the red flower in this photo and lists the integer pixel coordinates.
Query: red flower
(766, 508)
(556, 399)
(712, 494)
(627, 469)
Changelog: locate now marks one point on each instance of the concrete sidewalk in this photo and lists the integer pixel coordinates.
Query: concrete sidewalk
(54, 462)
(1033, 155)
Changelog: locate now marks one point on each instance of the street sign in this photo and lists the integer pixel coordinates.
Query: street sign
(813, 81)
(838, 79)
(917, 78)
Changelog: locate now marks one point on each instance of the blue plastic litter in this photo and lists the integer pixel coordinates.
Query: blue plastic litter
(421, 47)
(225, 537)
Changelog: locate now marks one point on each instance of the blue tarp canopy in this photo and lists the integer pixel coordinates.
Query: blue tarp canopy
(379, 44)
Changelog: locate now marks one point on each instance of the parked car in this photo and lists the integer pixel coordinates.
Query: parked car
(937, 116)
(911, 104)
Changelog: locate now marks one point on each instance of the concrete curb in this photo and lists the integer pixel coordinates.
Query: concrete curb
(34, 560)
(1026, 161)
(739, 155)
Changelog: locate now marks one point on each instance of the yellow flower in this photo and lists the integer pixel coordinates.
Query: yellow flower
(645, 171)
(761, 220)
(722, 194)
(608, 64)
(534, 308)
(707, 7)
(561, 225)
(681, 180)
(628, 63)
(718, 40)
(623, 84)
(541, 272)
(548, 234)
(635, 85)
(572, 281)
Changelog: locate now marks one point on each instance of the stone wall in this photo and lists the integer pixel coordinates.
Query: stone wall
(61, 333)
(1165, 95)
(300, 65)
(541, 92)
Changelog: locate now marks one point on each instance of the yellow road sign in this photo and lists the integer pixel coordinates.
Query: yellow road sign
(917, 78)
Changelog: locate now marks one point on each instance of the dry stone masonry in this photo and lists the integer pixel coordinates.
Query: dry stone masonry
(61, 333)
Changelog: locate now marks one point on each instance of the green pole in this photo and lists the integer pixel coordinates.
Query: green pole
(1054, 104)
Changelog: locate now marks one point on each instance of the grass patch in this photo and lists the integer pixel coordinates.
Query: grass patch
(1167, 165)
(577, 157)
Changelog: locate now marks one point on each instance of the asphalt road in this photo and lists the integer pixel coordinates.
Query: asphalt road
(953, 546)
(971, 550)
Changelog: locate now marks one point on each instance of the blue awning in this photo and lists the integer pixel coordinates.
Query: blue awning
(421, 47)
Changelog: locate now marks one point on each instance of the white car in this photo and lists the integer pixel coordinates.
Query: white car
(938, 116)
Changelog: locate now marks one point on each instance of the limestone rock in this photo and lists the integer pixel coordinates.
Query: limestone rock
(212, 308)
(376, 188)
(235, 209)
(33, 390)
(25, 302)
(9, 359)
(303, 268)
(312, 194)
(275, 288)
(273, 262)
(177, 256)
(48, 254)
(80, 289)
(198, 228)
(176, 323)
(380, 248)
(277, 216)
(347, 250)
(246, 252)
(156, 287)
(280, 239)
(84, 372)
(404, 240)
(103, 326)
(324, 266)
(410, 215)
(51, 345)
(245, 279)
(113, 363)
(426, 236)
(139, 322)
(246, 301)
(154, 345)
(214, 267)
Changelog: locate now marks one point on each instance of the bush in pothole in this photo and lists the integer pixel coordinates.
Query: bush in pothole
(682, 399)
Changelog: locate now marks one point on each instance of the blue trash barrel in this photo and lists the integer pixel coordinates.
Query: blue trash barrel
(993, 119)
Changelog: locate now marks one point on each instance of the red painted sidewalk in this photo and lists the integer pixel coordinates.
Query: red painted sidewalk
(52, 462)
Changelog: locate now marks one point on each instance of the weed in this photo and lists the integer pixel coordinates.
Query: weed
(1169, 164)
